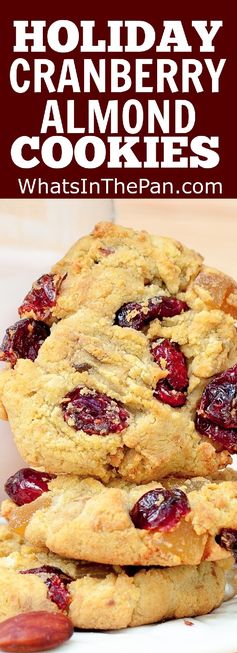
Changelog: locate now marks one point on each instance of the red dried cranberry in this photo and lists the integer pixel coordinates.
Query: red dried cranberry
(56, 582)
(160, 510)
(23, 340)
(226, 438)
(27, 485)
(165, 351)
(168, 395)
(42, 297)
(168, 355)
(137, 315)
(94, 412)
(217, 414)
(227, 538)
(219, 399)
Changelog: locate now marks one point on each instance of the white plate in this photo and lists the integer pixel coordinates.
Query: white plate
(213, 633)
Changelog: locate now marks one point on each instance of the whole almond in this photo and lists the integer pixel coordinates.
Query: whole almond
(34, 631)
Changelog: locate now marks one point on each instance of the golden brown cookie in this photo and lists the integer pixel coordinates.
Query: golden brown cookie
(115, 265)
(111, 266)
(121, 387)
(179, 522)
(96, 401)
(100, 597)
(9, 541)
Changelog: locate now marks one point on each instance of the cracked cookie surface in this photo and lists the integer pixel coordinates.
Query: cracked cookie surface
(84, 519)
(104, 598)
(115, 425)
(96, 400)
(115, 265)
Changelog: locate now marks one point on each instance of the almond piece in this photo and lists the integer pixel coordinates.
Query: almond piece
(34, 631)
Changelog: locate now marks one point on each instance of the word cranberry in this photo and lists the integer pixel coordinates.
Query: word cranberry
(27, 485)
(42, 297)
(23, 340)
(216, 416)
(94, 412)
(160, 510)
(56, 582)
(138, 315)
(172, 389)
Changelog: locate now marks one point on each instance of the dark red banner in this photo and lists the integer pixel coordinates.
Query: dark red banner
(121, 102)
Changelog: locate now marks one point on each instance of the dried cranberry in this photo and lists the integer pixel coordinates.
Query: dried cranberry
(42, 297)
(227, 538)
(219, 399)
(167, 395)
(168, 355)
(226, 438)
(160, 510)
(137, 315)
(56, 582)
(27, 485)
(217, 414)
(94, 412)
(23, 340)
(165, 351)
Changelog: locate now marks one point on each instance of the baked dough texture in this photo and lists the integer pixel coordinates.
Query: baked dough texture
(9, 541)
(101, 272)
(89, 351)
(86, 520)
(105, 598)
(116, 263)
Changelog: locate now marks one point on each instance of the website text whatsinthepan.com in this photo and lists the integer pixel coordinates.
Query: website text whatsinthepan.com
(112, 186)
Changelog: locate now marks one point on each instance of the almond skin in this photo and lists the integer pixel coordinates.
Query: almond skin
(34, 631)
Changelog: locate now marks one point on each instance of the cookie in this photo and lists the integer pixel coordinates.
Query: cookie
(115, 265)
(179, 522)
(9, 541)
(105, 400)
(118, 388)
(100, 597)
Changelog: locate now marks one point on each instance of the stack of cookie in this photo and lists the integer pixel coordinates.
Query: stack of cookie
(121, 394)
